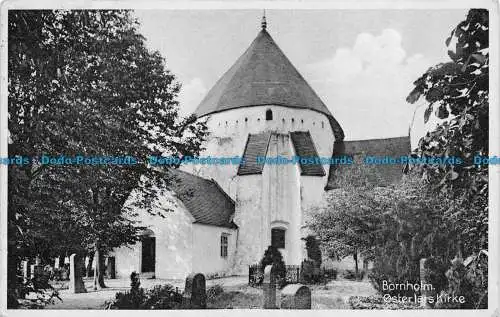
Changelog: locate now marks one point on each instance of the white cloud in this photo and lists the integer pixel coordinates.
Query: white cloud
(365, 86)
(191, 94)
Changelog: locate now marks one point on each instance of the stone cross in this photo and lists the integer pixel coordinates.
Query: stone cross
(269, 288)
(195, 291)
(76, 284)
(296, 296)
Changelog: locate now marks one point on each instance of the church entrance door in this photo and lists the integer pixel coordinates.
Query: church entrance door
(148, 254)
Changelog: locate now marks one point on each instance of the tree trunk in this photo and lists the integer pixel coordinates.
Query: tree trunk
(99, 268)
(355, 256)
(12, 282)
(89, 265)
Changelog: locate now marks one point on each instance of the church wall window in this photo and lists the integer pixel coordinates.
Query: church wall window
(223, 245)
(278, 238)
(269, 115)
(322, 124)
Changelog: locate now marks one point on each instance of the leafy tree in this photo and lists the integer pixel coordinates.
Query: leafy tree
(313, 249)
(457, 91)
(84, 83)
(346, 223)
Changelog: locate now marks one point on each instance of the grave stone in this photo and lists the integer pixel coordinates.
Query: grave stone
(110, 268)
(269, 288)
(195, 292)
(76, 284)
(296, 296)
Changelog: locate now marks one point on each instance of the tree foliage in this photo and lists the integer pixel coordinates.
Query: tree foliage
(458, 92)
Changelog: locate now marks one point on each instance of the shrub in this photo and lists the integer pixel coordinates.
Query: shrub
(313, 249)
(310, 271)
(159, 297)
(470, 282)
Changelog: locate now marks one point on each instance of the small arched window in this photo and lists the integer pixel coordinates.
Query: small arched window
(302, 121)
(322, 124)
(269, 115)
(246, 119)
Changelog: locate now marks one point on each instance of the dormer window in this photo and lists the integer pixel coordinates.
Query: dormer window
(269, 115)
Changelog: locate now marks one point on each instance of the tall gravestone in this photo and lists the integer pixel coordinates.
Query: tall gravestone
(296, 296)
(269, 288)
(195, 291)
(76, 284)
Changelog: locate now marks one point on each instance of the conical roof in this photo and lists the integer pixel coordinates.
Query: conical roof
(263, 75)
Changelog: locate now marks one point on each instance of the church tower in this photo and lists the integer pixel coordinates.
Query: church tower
(263, 107)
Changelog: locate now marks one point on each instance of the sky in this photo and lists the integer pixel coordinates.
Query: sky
(361, 63)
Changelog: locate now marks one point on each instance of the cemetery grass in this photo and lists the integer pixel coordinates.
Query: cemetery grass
(333, 295)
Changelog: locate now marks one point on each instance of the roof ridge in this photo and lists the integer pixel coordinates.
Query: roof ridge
(380, 139)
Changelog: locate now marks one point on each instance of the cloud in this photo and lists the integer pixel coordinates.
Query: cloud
(365, 86)
(191, 94)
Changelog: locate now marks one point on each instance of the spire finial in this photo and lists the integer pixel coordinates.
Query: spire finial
(264, 23)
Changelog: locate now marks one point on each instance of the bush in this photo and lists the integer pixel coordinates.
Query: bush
(159, 297)
(310, 271)
(313, 249)
(273, 257)
(470, 282)
(214, 291)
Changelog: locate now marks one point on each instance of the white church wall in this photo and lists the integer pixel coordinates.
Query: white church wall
(249, 217)
(280, 191)
(207, 257)
(174, 241)
(281, 198)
